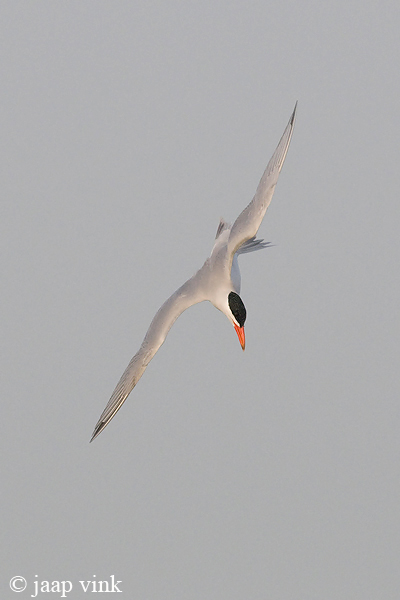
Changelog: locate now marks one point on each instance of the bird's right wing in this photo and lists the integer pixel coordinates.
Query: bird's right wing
(246, 225)
(187, 295)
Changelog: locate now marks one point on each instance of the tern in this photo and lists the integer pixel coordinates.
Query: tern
(218, 280)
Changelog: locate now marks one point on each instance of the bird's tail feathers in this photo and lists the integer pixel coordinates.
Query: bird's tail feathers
(221, 227)
(252, 245)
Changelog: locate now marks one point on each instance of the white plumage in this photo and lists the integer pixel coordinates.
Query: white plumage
(218, 280)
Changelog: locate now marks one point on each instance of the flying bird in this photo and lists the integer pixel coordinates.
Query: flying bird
(218, 280)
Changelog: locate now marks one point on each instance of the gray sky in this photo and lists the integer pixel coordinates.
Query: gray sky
(128, 129)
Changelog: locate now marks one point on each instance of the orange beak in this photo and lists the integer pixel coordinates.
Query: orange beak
(240, 334)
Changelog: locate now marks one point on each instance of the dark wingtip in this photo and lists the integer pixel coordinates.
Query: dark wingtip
(293, 113)
(98, 429)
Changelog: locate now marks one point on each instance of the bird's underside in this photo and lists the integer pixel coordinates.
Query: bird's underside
(218, 281)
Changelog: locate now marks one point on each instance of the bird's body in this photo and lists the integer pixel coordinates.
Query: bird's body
(218, 281)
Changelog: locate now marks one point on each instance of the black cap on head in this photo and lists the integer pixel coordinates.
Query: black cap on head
(237, 307)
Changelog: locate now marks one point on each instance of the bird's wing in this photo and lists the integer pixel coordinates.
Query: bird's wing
(187, 295)
(246, 225)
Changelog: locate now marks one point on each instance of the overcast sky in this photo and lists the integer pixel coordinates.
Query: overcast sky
(128, 130)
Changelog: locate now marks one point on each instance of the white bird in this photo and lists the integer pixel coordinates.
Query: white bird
(218, 280)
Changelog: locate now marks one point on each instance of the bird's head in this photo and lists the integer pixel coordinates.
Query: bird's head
(237, 315)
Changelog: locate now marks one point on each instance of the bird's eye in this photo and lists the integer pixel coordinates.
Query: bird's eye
(237, 308)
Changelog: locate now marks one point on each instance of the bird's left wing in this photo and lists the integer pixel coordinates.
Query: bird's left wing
(187, 295)
(246, 225)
